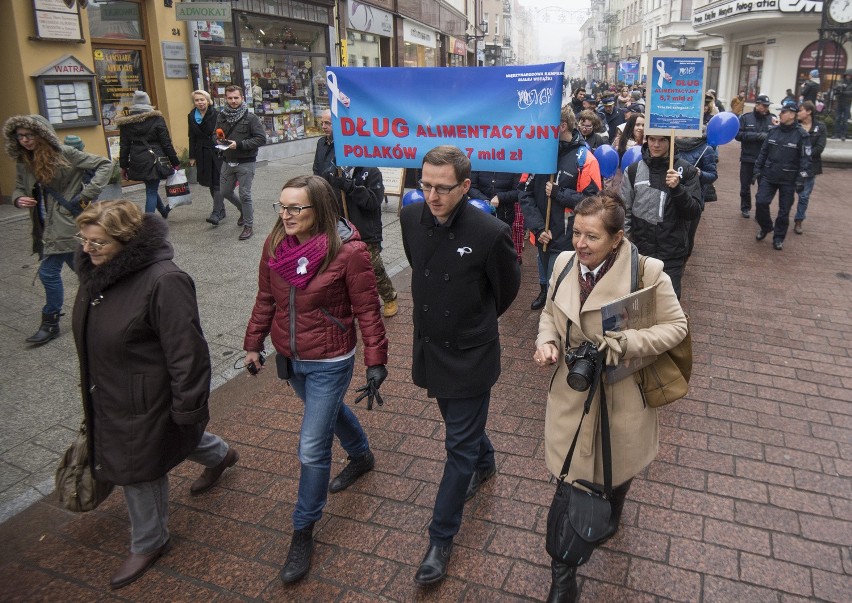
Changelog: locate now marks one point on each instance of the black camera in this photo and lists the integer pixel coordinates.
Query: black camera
(582, 362)
(252, 367)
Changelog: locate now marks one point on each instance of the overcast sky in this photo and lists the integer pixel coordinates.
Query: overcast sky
(555, 31)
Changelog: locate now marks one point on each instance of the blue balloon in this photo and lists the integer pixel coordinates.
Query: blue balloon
(722, 128)
(607, 159)
(631, 156)
(413, 196)
(483, 205)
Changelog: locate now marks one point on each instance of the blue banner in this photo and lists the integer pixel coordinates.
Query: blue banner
(505, 118)
(628, 72)
(675, 94)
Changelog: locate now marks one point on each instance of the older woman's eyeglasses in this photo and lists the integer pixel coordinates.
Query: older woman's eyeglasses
(93, 244)
(293, 210)
(441, 190)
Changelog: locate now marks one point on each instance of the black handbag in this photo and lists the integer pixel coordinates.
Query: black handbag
(579, 515)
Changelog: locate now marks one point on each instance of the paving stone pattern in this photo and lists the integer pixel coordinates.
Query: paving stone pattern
(749, 498)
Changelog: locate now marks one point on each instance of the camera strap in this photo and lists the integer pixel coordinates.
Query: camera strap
(605, 441)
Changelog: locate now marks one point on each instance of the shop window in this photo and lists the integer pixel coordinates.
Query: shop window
(365, 46)
(287, 94)
(418, 56)
(260, 32)
(751, 70)
(117, 20)
(217, 33)
(219, 73)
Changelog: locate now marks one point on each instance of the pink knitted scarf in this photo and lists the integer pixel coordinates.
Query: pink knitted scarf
(297, 263)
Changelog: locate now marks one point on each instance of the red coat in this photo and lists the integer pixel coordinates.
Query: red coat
(322, 315)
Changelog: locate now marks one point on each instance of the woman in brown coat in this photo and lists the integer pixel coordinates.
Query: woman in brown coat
(604, 253)
(144, 371)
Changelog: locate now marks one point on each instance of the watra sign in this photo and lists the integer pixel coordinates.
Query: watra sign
(202, 11)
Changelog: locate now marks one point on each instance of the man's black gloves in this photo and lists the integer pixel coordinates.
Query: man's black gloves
(755, 178)
(341, 183)
(376, 375)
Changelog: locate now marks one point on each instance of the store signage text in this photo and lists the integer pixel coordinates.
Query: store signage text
(202, 11)
(743, 7)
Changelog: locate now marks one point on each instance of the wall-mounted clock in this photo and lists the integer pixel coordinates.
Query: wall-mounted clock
(839, 12)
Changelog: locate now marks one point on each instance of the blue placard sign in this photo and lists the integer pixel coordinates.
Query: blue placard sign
(675, 93)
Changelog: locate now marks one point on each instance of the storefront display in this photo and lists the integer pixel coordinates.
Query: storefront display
(420, 45)
(279, 63)
(751, 68)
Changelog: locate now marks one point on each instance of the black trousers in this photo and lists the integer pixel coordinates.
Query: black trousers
(468, 450)
(765, 193)
(746, 174)
(674, 268)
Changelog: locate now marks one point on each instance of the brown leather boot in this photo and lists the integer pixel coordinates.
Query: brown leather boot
(135, 566)
(211, 475)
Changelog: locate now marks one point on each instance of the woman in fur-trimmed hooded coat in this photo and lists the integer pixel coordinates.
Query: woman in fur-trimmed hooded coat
(142, 132)
(45, 170)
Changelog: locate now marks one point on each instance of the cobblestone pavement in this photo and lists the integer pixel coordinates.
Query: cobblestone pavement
(749, 498)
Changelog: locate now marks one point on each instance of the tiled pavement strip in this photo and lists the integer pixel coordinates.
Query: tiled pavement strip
(749, 498)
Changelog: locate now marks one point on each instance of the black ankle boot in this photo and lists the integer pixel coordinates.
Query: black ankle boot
(619, 494)
(563, 583)
(48, 330)
(299, 558)
(356, 467)
(538, 302)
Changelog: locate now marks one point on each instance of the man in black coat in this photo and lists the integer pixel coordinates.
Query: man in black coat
(361, 191)
(754, 128)
(842, 102)
(464, 276)
(611, 116)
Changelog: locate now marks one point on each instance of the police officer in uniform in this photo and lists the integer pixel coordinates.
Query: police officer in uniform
(783, 164)
(754, 128)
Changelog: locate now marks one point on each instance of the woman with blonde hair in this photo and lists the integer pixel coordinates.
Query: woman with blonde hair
(315, 281)
(144, 371)
(55, 182)
(202, 152)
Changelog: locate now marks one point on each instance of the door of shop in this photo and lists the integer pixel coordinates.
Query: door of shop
(219, 71)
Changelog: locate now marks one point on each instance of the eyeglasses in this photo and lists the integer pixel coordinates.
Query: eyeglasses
(26, 136)
(84, 241)
(441, 190)
(293, 210)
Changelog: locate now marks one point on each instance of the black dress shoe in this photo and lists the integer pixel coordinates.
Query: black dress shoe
(777, 245)
(762, 234)
(135, 566)
(433, 568)
(479, 478)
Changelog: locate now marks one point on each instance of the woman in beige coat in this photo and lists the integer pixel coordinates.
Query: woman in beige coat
(604, 253)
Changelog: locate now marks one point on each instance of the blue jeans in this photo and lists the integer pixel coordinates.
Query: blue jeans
(50, 275)
(804, 197)
(321, 386)
(546, 260)
(468, 450)
(152, 197)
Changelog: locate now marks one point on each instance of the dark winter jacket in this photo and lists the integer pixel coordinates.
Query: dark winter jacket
(208, 161)
(144, 362)
(324, 162)
(819, 136)
(365, 192)
(576, 105)
(611, 121)
(658, 217)
(249, 135)
(594, 140)
(53, 226)
(754, 128)
(809, 91)
(697, 153)
(843, 92)
(533, 197)
(785, 156)
(318, 322)
(503, 185)
(464, 275)
(144, 129)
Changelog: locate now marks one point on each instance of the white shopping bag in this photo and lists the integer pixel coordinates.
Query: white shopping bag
(177, 190)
